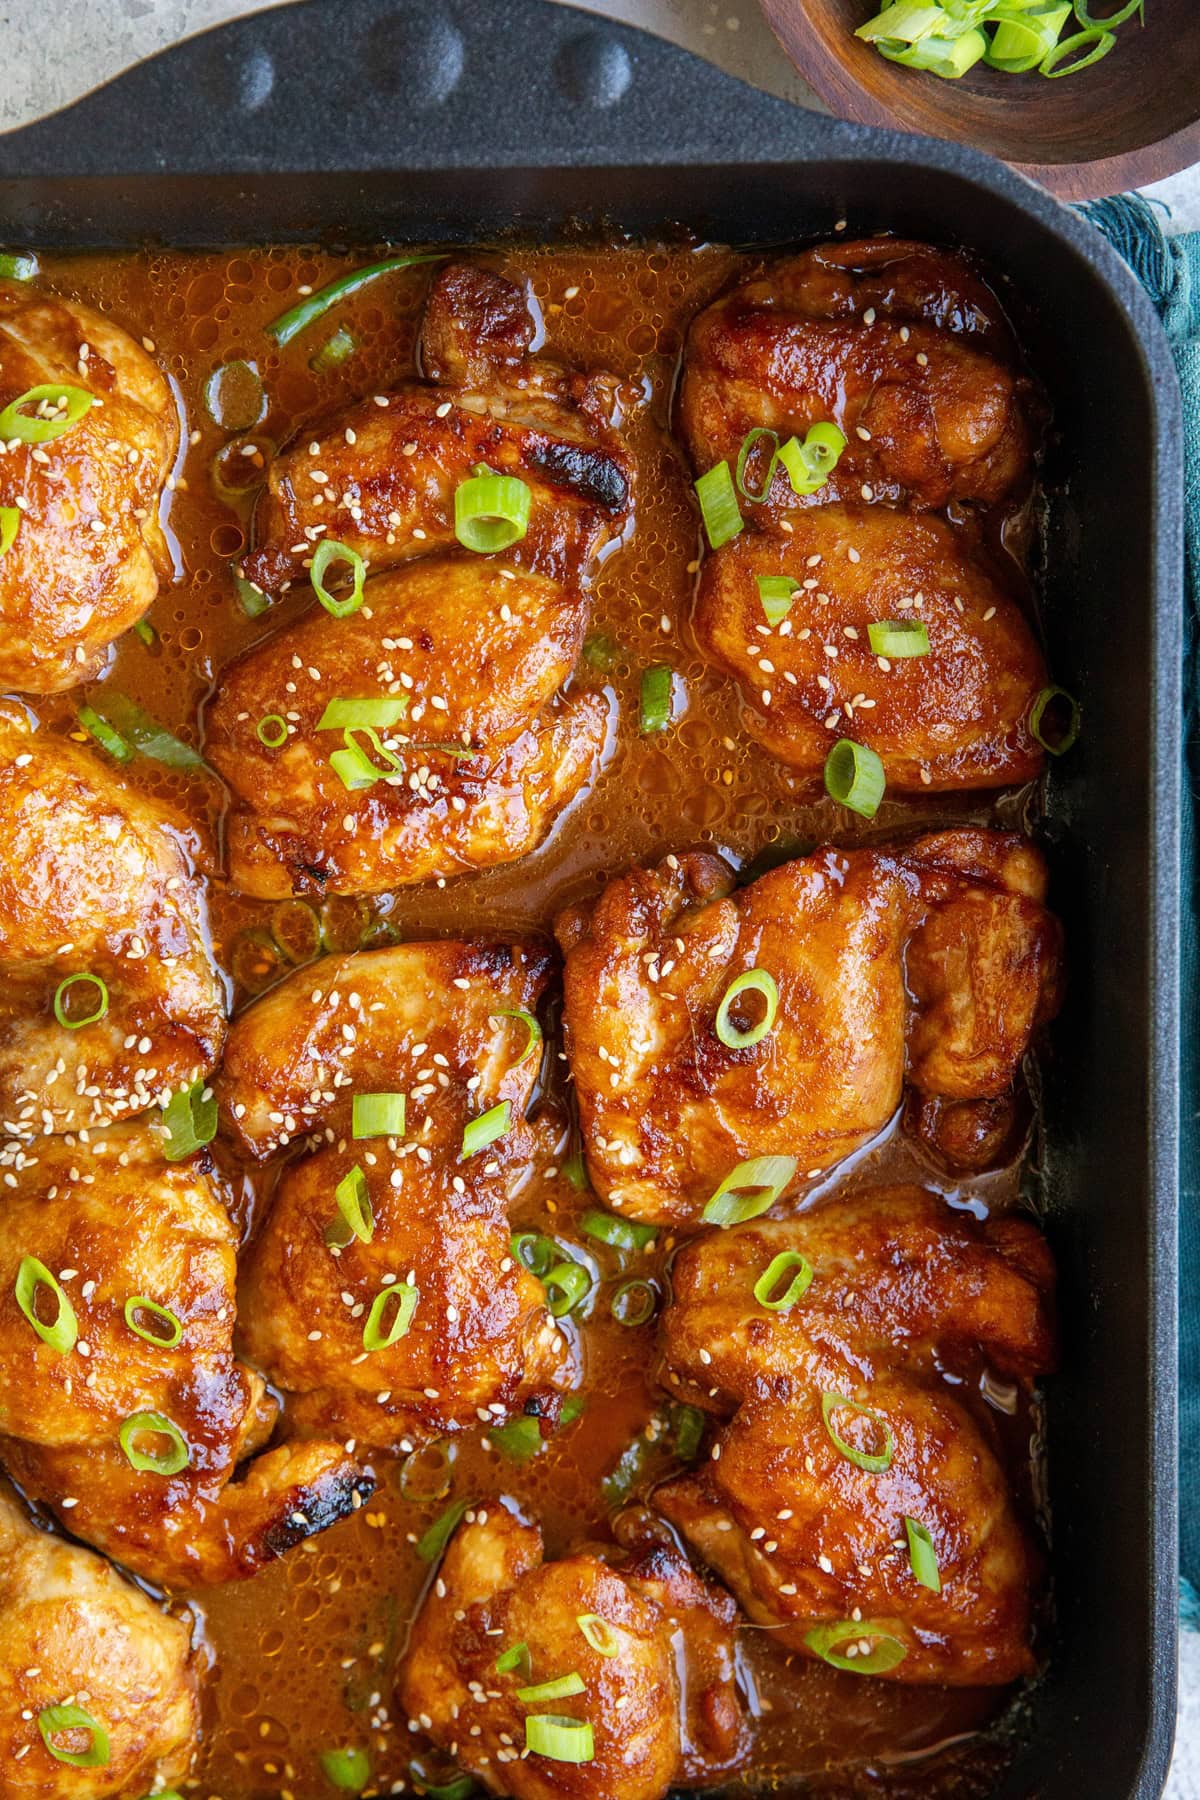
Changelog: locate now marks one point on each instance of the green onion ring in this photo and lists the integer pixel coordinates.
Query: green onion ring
(599, 1634)
(106, 735)
(656, 703)
(538, 1253)
(746, 451)
(272, 730)
(689, 1430)
(245, 405)
(434, 1541)
(1101, 43)
(810, 464)
(777, 594)
(1083, 14)
(190, 1121)
(16, 267)
(887, 1652)
(146, 1462)
(562, 1687)
(635, 1302)
(533, 1040)
(774, 1273)
(898, 638)
(750, 1189)
(63, 1334)
(374, 1336)
(10, 524)
(618, 1234)
(433, 1461)
(484, 1130)
(16, 424)
(567, 1285)
(354, 1205)
(459, 1787)
(560, 1739)
(53, 1720)
(380, 710)
(1074, 715)
(516, 1657)
(140, 1303)
(854, 777)
(334, 351)
(491, 512)
(758, 981)
(330, 551)
(377, 1115)
(718, 505)
(922, 1556)
(873, 1462)
(349, 1770)
(251, 599)
(60, 1004)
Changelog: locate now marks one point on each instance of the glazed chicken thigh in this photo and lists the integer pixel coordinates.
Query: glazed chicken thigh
(122, 1405)
(934, 963)
(467, 1336)
(88, 550)
(77, 1643)
(658, 1704)
(95, 887)
(484, 751)
(898, 634)
(827, 1342)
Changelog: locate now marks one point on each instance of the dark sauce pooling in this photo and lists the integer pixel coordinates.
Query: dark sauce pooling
(303, 1655)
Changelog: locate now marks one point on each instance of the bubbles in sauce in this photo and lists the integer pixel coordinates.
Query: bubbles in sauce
(302, 1657)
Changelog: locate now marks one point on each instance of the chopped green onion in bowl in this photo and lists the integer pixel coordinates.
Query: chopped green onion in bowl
(948, 38)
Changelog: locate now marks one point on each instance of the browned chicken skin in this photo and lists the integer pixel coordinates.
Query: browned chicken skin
(955, 718)
(73, 1633)
(112, 1223)
(94, 880)
(662, 1710)
(427, 1021)
(477, 647)
(901, 347)
(934, 962)
(903, 1292)
(89, 551)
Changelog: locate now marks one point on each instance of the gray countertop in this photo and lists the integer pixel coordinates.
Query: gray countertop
(94, 39)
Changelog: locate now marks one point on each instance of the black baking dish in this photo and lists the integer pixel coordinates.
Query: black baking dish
(465, 120)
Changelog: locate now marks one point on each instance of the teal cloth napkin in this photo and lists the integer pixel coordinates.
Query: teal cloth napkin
(1169, 269)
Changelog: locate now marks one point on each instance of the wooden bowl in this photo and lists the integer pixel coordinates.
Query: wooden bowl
(1131, 118)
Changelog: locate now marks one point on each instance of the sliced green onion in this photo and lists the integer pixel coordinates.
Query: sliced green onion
(16, 267)
(70, 405)
(561, 1739)
(53, 1721)
(459, 1787)
(377, 1115)
(1064, 739)
(139, 1303)
(272, 730)
(810, 464)
(631, 1467)
(1018, 45)
(297, 930)
(576, 1172)
(777, 593)
(375, 1335)
(144, 631)
(190, 1121)
(354, 768)
(749, 1190)
(484, 1130)
(10, 524)
(618, 1234)
(883, 1651)
(99, 1005)
(63, 1334)
(354, 1205)
(515, 1657)
(251, 599)
(381, 710)
(314, 306)
(538, 1253)
(768, 1282)
(533, 1039)
(334, 352)
(1096, 43)
(601, 650)
(165, 1462)
(599, 1634)
(561, 1688)
(898, 637)
(907, 21)
(567, 1285)
(330, 551)
(758, 981)
(431, 1545)
(922, 1556)
(349, 1770)
(634, 1302)
(136, 730)
(426, 1474)
(1083, 13)
(718, 505)
(873, 1461)
(854, 777)
(746, 451)
(655, 712)
(519, 1440)
(491, 512)
(105, 735)
(689, 1430)
(949, 57)
(234, 397)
